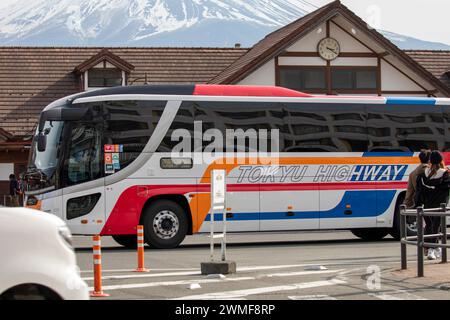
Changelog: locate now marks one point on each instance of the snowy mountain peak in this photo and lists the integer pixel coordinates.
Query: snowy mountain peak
(155, 22)
(89, 21)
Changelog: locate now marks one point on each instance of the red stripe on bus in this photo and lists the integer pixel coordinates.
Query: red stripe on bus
(125, 215)
(246, 91)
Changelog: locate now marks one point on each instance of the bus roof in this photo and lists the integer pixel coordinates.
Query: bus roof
(272, 92)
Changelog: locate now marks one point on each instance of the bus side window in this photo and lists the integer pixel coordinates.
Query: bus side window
(128, 125)
(84, 160)
(243, 126)
(325, 128)
(446, 116)
(181, 130)
(406, 128)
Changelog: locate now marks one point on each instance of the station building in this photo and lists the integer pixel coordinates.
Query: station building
(330, 51)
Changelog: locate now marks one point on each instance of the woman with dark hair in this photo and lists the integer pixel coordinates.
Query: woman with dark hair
(433, 189)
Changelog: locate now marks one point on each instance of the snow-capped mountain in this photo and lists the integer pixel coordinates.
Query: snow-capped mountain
(145, 22)
(149, 22)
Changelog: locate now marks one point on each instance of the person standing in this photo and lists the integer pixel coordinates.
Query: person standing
(433, 189)
(424, 158)
(14, 190)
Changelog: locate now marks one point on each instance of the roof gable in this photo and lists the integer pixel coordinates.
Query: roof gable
(276, 42)
(104, 55)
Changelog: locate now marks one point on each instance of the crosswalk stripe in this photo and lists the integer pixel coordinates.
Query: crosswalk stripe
(171, 283)
(396, 295)
(131, 270)
(193, 273)
(302, 273)
(202, 281)
(312, 297)
(248, 292)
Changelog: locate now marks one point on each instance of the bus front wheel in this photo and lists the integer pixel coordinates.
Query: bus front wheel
(165, 224)
(371, 234)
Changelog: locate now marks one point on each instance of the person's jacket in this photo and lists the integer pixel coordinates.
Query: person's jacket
(412, 183)
(432, 191)
(13, 187)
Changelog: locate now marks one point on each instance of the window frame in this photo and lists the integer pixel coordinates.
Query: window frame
(86, 79)
(354, 70)
(328, 79)
(323, 68)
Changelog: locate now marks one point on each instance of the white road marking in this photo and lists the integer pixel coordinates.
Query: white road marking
(192, 273)
(131, 270)
(200, 281)
(302, 273)
(312, 297)
(148, 275)
(225, 295)
(170, 283)
(396, 295)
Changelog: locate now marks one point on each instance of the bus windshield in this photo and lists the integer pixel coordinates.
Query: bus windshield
(42, 165)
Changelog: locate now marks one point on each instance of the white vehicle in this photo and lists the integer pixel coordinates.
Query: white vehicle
(103, 161)
(37, 259)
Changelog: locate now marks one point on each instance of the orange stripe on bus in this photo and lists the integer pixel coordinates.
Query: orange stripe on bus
(228, 164)
(200, 204)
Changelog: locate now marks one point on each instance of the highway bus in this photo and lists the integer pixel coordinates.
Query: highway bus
(108, 160)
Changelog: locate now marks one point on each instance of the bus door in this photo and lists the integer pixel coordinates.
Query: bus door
(83, 182)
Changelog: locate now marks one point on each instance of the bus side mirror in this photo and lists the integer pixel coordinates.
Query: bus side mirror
(41, 142)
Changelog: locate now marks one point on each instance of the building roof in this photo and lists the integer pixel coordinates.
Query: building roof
(273, 44)
(32, 77)
(104, 55)
(276, 42)
(435, 61)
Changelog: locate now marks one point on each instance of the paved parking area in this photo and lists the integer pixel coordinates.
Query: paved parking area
(295, 266)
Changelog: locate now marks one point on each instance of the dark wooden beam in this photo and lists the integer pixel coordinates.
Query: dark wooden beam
(379, 76)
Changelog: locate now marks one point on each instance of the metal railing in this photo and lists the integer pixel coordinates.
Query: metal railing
(443, 212)
(5, 200)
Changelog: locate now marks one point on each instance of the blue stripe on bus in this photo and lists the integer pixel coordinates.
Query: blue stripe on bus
(388, 154)
(364, 204)
(411, 101)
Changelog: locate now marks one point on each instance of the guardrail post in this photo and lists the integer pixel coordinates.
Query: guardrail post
(444, 233)
(420, 230)
(403, 235)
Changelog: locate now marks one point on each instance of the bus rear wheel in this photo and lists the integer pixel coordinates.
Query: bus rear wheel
(165, 224)
(370, 234)
(129, 241)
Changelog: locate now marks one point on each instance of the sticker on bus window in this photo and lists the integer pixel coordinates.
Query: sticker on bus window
(116, 161)
(109, 148)
(109, 168)
(108, 158)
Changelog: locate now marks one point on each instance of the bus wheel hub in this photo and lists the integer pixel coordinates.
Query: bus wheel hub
(166, 224)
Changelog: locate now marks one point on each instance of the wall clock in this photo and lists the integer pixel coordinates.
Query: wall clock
(329, 49)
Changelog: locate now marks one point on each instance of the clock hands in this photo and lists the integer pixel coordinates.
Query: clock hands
(332, 50)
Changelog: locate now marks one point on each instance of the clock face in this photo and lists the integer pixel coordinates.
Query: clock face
(329, 49)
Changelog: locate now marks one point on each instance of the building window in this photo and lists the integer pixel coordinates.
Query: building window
(354, 78)
(343, 79)
(303, 78)
(104, 78)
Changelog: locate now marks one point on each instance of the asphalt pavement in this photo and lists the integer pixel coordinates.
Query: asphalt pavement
(327, 265)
